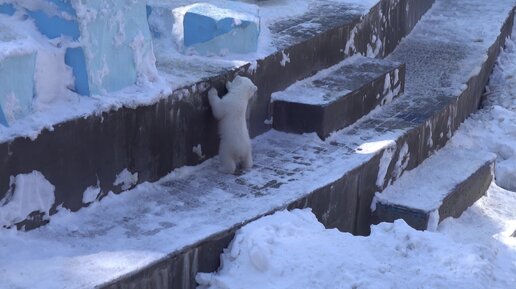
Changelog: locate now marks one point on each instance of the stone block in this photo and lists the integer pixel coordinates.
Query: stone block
(430, 193)
(338, 96)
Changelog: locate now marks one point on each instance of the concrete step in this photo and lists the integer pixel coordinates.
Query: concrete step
(338, 96)
(443, 186)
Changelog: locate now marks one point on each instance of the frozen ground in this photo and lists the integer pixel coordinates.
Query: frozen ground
(293, 250)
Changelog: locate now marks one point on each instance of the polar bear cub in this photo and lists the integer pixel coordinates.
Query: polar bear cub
(235, 144)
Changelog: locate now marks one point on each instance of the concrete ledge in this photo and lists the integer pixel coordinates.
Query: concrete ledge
(444, 186)
(338, 96)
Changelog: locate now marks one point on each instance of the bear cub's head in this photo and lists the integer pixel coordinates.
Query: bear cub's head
(242, 85)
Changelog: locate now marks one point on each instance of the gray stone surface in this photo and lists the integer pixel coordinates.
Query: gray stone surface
(338, 96)
(322, 16)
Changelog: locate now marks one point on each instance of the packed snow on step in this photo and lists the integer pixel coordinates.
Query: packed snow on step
(410, 192)
(168, 23)
(180, 63)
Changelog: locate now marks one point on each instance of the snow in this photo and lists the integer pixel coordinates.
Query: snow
(125, 179)
(198, 151)
(385, 161)
(494, 128)
(284, 58)
(28, 193)
(311, 91)
(90, 194)
(293, 250)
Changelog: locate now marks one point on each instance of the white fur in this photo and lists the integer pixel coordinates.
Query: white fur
(235, 144)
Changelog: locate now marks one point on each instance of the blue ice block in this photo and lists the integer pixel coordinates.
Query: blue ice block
(7, 8)
(109, 41)
(210, 29)
(53, 26)
(74, 57)
(16, 86)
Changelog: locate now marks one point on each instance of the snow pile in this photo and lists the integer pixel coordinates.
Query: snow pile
(29, 193)
(90, 194)
(125, 179)
(293, 250)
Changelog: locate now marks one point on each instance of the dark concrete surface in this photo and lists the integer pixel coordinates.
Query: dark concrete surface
(349, 93)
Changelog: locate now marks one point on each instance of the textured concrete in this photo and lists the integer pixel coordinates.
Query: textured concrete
(340, 96)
